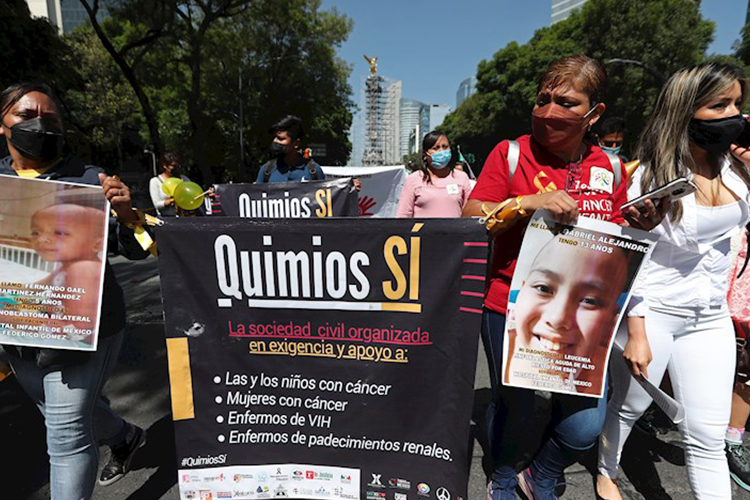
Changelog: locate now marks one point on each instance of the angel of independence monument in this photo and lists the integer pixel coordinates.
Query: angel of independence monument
(381, 118)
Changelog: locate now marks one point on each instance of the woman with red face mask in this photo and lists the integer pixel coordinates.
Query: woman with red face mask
(557, 169)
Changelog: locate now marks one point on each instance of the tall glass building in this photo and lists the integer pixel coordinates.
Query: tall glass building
(465, 89)
(67, 15)
(438, 112)
(561, 9)
(415, 123)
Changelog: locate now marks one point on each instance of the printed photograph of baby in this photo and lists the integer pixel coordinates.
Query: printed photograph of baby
(568, 292)
(52, 244)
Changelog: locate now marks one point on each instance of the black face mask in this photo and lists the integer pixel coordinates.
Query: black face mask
(715, 136)
(278, 149)
(37, 139)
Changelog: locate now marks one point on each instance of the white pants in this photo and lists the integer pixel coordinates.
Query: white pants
(699, 353)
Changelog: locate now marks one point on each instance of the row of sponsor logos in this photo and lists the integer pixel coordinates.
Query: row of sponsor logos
(263, 491)
(300, 475)
(262, 477)
(423, 489)
(441, 494)
(377, 482)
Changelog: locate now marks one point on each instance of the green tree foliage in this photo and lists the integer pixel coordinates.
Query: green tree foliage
(661, 36)
(412, 160)
(31, 48)
(289, 67)
(102, 104)
(189, 57)
(742, 46)
(129, 54)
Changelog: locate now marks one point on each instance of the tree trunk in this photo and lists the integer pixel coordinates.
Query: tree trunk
(195, 112)
(127, 71)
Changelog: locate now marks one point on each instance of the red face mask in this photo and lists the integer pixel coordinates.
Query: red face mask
(558, 128)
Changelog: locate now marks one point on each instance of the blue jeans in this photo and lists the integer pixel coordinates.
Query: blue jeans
(546, 430)
(76, 416)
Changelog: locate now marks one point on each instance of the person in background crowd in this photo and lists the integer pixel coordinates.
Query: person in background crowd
(678, 315)
(287, 164)
(464, 167)
(170, 167)
(66, 385)
(437, 189)
(738, 301)
(611, 136)
(553, 169)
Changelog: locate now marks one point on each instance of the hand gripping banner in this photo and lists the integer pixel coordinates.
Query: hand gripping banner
(322, 359)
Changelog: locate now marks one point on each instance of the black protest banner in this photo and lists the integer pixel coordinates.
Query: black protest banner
(322, 359)
(287, 200)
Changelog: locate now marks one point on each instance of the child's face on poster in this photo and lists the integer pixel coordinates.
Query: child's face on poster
(59, 234)
(569, 299)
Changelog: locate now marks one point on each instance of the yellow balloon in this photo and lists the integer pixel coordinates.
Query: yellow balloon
(170, 184)
(188, 195)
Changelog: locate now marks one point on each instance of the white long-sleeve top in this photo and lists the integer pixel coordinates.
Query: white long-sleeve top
(687, 272)
(158, 196)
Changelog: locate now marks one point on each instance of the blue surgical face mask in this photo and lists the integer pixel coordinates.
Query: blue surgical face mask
(611, 150)
(440, 159)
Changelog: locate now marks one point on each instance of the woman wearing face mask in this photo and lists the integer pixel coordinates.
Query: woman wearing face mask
(557, 169)
(678, 315)
(170, 167)
(437, 189)
(66, 385)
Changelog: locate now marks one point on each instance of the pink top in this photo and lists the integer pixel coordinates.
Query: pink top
(442, 197)
(739, 289)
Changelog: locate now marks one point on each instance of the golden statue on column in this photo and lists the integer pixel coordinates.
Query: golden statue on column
(373, 64)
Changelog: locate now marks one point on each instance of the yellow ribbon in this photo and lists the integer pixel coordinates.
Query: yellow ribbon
(538, 183)
(141, 235)
(5, 371)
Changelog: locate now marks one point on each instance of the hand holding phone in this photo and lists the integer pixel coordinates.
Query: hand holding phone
(675, 190)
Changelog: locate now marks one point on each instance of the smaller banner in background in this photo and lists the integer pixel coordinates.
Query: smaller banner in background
(381, 187)
(285, 200)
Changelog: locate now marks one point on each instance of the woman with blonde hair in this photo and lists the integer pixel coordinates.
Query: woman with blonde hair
(678, 315)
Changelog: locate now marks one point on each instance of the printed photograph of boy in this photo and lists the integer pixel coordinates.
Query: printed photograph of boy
(54, 235)
(72, 236)
(565, 313)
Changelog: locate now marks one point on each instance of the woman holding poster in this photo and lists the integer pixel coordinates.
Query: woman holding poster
(678, 316)
(558, 169)
(66, 385)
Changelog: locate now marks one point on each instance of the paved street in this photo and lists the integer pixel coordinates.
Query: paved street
(653, 468)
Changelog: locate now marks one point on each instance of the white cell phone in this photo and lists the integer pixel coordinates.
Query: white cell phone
(675, 190)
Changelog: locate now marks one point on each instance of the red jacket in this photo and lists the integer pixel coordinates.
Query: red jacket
(592, 185)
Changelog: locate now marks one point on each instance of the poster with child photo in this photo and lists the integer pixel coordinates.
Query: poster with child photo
(568, 295)
(52, 258)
